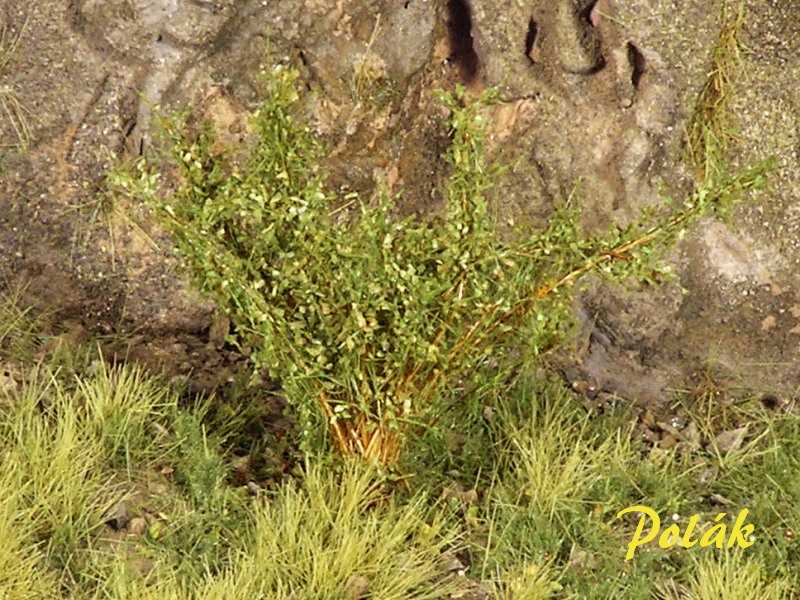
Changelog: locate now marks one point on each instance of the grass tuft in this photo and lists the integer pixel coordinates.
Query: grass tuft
(556, 456)
(735, 577)
(121, 406)
(337, 530)
(20, 559)
(711, 127)
(527, 582)
(18, 328)
(44, 439)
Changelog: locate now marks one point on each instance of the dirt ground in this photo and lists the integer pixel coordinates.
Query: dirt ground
(592, 92)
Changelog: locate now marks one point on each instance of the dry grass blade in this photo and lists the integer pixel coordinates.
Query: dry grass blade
(18, 117)
(710, 128)
(367, 72)
(11, 109)
(8, 45)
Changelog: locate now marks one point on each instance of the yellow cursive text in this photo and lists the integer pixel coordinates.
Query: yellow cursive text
(741, 533)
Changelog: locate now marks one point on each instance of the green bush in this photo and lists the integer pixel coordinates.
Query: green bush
(365, 323)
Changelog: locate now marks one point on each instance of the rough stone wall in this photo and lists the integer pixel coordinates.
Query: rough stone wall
(595, 97)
